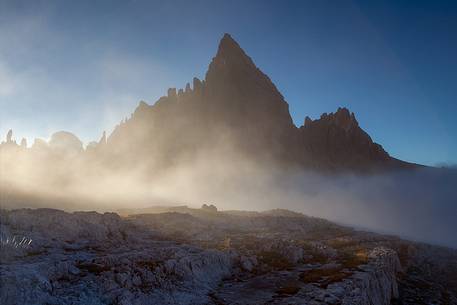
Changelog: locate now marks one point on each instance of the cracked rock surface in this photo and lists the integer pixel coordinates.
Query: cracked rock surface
(202, 256)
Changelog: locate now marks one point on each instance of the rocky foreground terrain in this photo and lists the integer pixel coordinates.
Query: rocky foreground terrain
(203, 256)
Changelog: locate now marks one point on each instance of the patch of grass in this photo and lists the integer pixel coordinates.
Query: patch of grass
(318, 258)
(151, 265)
(316, 275)
(325, 277)
(14, 241)
(353, 259)
(341, 243)
(274, 260)
(335, 278)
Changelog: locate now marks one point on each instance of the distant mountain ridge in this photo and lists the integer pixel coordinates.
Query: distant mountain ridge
(235, 114)
(237, 105)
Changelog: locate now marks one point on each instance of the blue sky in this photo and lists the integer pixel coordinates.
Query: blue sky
(82, 66)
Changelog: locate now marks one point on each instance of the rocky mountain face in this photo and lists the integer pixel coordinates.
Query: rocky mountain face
(238, 109)
(336, 140)
(235, 113)
(206, 256)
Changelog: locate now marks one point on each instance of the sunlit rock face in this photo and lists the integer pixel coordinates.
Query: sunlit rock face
(238, 110)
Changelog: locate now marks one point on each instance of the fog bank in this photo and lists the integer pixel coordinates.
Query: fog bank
(417, 204)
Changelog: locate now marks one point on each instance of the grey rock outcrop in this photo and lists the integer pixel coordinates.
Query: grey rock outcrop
(9, 136)
(377, 284)
(93, 258)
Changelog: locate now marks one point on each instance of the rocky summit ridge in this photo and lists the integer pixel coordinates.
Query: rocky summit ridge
(235, 113)
(238, 106)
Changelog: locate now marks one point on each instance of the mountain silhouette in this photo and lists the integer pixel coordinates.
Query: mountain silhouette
(238, 107)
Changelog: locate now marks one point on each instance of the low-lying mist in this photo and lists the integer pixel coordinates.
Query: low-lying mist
(417, 204)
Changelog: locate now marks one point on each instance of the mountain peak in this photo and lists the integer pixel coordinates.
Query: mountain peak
(227, 43)
(229, 53)
(228, 38)
(236, 97)
(241, 90)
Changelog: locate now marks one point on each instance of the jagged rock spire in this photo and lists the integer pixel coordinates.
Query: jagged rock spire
(229, 57)
(237, 98)
(103, 139)
(229, 49)
(236, 88)
(9, 136)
